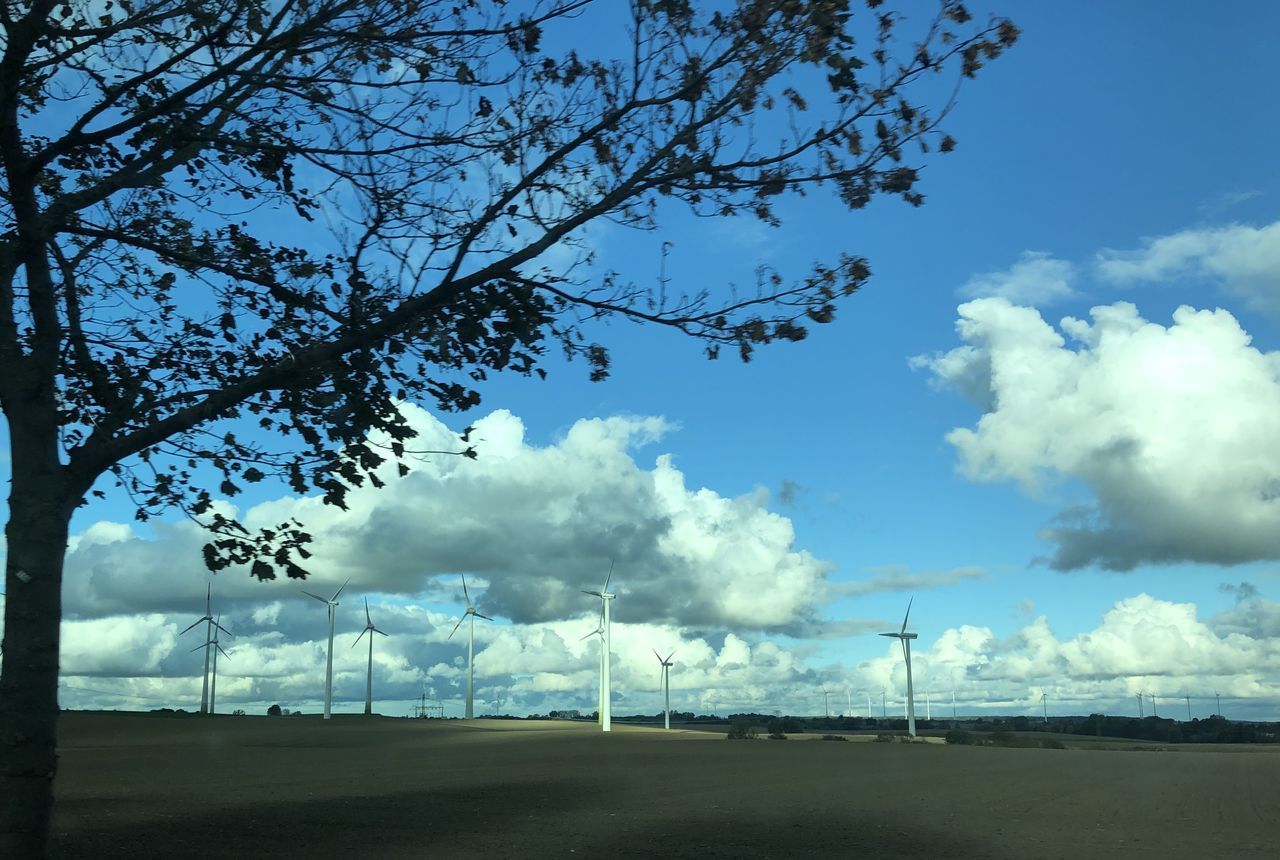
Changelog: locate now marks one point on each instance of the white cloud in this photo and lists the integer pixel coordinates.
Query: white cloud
(1244, 260)
(1036, 279)
(1175, 430)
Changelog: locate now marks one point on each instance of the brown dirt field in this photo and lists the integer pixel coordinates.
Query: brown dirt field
(138, 785)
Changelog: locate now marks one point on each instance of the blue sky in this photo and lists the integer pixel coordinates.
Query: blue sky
(1108, 127)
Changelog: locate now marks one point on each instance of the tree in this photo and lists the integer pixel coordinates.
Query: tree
(159, 329)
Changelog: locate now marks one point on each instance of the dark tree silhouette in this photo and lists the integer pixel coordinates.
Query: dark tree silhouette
(236, 235)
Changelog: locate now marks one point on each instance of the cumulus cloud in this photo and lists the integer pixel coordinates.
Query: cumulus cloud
(1252, 616)
(1243, 260)
(1174, 429)
(1036, 279)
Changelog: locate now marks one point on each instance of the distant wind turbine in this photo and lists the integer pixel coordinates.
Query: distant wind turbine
(217, 649)
(905, 638)
(332, 604)
(370, 629)
(471, 644)
(606, 692)
(666, 687)
(209, 623)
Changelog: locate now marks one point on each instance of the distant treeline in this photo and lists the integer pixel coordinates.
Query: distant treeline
(1211, 730)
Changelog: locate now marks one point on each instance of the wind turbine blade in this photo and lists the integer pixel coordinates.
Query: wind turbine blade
(656, 654)
(908, 615)
(316, 596)
(201, 645)
(595, 632)
(334, 599)
(208, 598)
(193, 625)
(367, 619)
(376, 630)
(223, 629)
(224, 653)
(669, 656)
(358, 638)
(455, 628)
(609, 577)
(478, 615)
(890, 635)
(593, 593)
(904, 648)
(466, 595)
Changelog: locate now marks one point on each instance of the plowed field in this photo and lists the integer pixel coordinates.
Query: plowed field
(155, 786)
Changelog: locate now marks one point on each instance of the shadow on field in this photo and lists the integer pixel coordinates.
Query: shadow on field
(546, 818)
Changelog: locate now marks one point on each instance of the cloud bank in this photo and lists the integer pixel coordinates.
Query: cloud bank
(538, 523)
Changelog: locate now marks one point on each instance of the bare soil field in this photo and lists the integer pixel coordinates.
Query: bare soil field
(140, 785)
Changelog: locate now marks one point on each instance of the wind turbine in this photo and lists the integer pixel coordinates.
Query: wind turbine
(666, 687)
(217, 649)
(207, 618)
(905, 638)
(332, 603)
(471, 643)
(368, 684)
(606, 693)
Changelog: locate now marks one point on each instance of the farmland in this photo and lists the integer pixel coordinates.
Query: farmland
(149, 785)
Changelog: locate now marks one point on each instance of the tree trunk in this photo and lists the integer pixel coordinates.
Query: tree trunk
(40, 507)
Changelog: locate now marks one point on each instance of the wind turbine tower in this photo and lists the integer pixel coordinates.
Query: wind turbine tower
(471, 644)
(217, 649)
(368, 684)
(332, 604)
(666, 687)
(209, 623)
(905, 638)
(1188, 707)
(606, 692)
